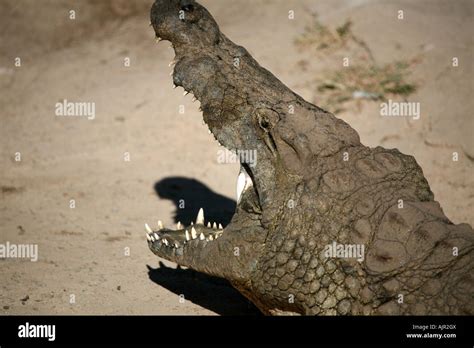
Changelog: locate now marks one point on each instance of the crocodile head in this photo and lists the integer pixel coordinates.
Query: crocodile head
(202, 60)
(251, 113)
(236, 101)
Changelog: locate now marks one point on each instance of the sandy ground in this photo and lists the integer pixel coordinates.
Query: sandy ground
(97, 251)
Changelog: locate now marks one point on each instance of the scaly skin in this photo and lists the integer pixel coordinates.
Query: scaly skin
(314, 183)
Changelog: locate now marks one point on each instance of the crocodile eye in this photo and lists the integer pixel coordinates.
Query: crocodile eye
(263, 121)
(187, 8)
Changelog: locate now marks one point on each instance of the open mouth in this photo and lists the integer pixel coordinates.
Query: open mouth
(173, 244)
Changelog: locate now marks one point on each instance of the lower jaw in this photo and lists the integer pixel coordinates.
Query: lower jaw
(198, 254)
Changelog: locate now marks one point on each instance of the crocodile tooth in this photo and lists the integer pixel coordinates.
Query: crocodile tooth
(193, 233)
(179, 226)
(200, 217)
(214, 225)
(185, 93)
(148, 229)
(209, 225)
(220, 227)
(174, 86)
(148, 237)
(211, 237)
(201, 236)
(194, 99)
(160, 225)
(176, 245)
(165, 241)
(171, 73)
(152, 238)
(150, 24)
(186, 233)
(173, 62)
(209, 131)
(158, 39)
(156, 236)
(192, 223)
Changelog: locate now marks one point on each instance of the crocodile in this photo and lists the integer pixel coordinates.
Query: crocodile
(323, 224)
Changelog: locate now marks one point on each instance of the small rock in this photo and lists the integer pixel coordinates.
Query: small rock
(26, 298)
(21, 230)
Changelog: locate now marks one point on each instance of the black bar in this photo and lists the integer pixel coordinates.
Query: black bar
(139, 330)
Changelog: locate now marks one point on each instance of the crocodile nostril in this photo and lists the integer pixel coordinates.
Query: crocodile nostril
(187, 8)
(187, 5)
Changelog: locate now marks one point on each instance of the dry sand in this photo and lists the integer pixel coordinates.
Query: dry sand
(83, 251)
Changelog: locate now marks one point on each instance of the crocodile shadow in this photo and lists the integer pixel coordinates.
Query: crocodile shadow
(188, 195)
(212, 293)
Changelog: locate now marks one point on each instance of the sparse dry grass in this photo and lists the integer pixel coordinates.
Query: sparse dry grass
(323, 38)
(369, 82)
(364, 80)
